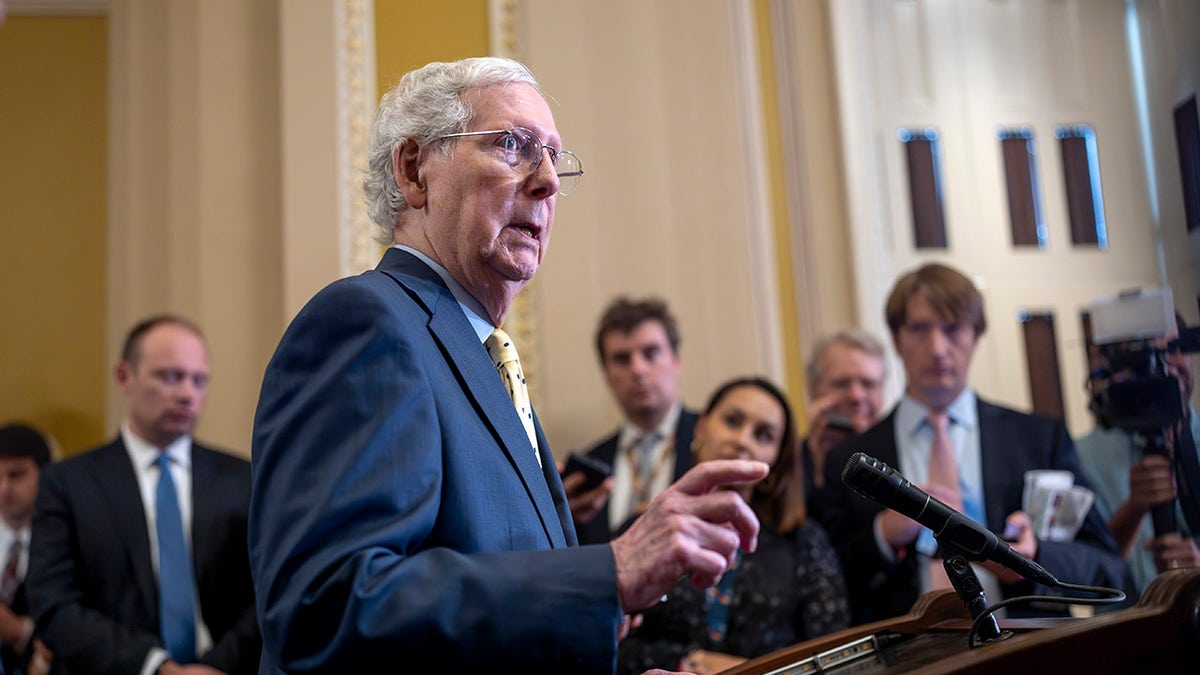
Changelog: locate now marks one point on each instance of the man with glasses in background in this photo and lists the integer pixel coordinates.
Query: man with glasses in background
(845, 392)
(406, 507)
(964, 451)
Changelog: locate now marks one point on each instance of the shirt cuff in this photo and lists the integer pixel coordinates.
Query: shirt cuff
(154, 658)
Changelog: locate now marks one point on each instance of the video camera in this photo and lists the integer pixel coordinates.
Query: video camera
(1132, 387)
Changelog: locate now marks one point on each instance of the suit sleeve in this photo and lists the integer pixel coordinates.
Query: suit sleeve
(81, 638)
(878, 587)
(238, 650)
(354, 544)
(227, 592)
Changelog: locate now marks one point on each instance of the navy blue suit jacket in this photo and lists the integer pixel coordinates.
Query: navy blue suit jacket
(1011, 443)
(91, 584)
(596, 530)
(399, 514)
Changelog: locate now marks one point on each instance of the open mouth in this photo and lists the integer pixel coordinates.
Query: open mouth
(529, 230)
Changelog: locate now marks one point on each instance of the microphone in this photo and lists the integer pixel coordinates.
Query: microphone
(881, 483)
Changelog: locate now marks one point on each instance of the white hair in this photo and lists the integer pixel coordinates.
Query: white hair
(426, 104)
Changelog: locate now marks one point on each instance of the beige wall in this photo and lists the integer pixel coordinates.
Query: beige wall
(714, 179)
(195, 225)
(53, 180)
(175, 198)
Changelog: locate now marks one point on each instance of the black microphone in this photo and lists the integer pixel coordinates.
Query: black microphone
(881, 483)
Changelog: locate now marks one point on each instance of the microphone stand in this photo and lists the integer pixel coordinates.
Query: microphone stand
(966, 583)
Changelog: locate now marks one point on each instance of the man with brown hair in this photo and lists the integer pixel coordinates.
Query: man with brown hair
(637, 342)
(967, 452)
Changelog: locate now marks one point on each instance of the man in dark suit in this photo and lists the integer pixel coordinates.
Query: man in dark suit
(153, 504)
(406, 507)
(23, 454)
(966, 452)
(637, 342)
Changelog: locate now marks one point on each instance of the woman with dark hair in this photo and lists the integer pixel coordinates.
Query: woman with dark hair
(789, 590)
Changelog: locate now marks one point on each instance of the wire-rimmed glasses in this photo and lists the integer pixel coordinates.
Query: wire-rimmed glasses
(523, 152)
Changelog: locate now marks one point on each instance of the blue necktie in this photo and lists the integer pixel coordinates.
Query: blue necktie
(176, 608)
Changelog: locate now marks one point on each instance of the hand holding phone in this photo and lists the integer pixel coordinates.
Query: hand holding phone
(594, 470)
(840, 422)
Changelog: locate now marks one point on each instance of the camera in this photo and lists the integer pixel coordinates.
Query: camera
(1132, 387)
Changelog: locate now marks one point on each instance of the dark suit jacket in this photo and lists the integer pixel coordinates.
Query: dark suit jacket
(1011, 443)
(596, 530)
(399, 514)
(14, 658)
(91, 583)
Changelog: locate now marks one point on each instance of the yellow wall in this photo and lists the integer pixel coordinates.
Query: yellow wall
(53, 182)
(411, 33)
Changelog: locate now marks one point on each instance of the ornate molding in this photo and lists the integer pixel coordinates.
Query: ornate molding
(355, 26)
(54, 7)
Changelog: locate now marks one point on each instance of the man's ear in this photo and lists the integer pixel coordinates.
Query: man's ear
(406, 160)
(121, 373)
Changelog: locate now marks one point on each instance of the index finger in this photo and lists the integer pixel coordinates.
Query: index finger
(705, 476)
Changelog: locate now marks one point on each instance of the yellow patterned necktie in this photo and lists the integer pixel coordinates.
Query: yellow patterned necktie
(504, 355)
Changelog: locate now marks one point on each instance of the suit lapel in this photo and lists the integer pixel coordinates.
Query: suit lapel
(116, 478)
(993, 438)
(466, 355)
(885, 441)
(203, 511)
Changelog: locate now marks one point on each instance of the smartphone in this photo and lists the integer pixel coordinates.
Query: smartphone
(840, 421)
(594, 470)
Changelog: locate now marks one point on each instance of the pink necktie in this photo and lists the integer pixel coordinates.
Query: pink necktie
(943, 472)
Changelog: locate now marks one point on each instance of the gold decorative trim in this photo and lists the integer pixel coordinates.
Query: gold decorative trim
(54, 7)
(507, 32)
(355, 22)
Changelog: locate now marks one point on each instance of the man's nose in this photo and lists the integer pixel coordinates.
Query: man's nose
(544, 182)
(939, 341)
(186, 390)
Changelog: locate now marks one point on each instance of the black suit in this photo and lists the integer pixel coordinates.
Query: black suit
(1011, 443)
(597, 530)
(15, 658)
(92, 586)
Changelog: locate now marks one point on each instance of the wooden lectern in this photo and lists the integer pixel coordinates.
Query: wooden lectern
(1161, 634)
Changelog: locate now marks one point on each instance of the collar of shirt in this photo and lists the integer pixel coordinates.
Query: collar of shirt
(8, 535)
(476, 314)
(665, 429)
(913, 438)
(144, 454)
(962, 411)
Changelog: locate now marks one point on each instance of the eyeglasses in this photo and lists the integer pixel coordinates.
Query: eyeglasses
(523, 152)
